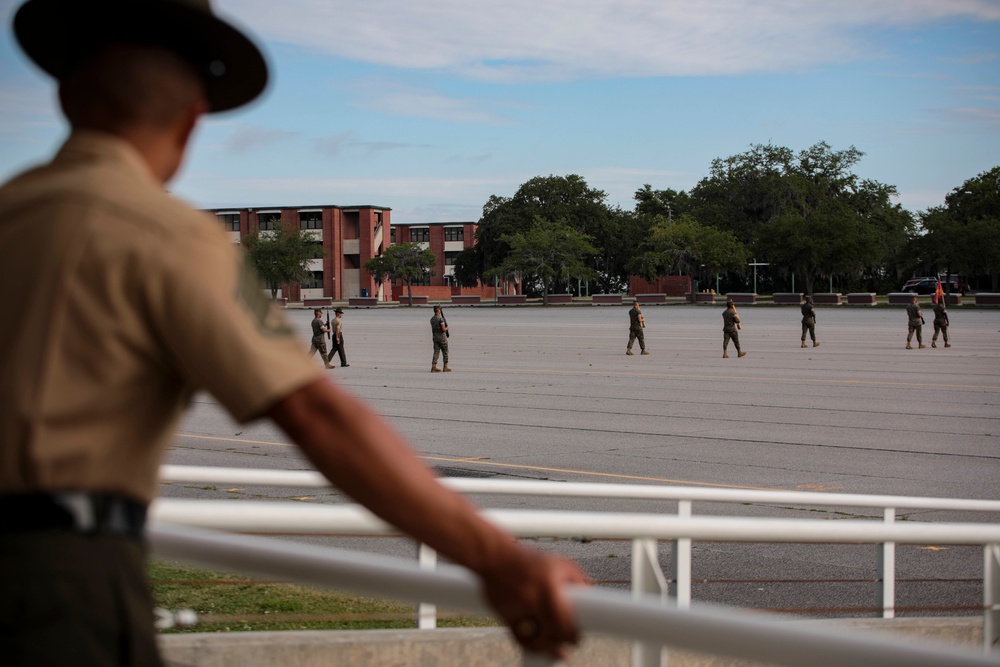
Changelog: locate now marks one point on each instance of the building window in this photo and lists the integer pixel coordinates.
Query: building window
(316, 282)
(454, 233)
(423, 281)
(230, 221)
(392, 235)
(449, 258)
(420, 235)
(269, 222)
(310, 220)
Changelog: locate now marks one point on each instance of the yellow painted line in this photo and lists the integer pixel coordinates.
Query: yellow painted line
(482, 460)
(878, 383)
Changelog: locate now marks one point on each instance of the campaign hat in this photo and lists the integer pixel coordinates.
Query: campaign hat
(338, 311)
(60, 34)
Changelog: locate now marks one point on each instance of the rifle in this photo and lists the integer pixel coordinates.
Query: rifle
(739, 326)
(447, 334)
(328, 336)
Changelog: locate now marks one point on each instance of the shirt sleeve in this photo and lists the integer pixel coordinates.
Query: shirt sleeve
(220, 330)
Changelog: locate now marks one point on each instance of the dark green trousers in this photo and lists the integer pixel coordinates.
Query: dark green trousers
(69, 599)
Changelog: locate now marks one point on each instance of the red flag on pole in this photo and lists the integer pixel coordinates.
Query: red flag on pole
(938, 293)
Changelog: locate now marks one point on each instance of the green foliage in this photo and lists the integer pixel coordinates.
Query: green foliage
(468, 267)
(552, 198)
(402, 261)
(686, 247)
(964, 234)
(806, 213)
(547, 251)
(281, 257)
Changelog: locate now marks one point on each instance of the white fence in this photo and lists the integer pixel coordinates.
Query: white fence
(643, 529)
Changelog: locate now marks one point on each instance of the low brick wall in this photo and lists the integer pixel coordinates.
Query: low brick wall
(742, 297)
(651, 298)
(363, 301)
(511, 299)
(560, 298)
(953, 299)
(988, 299)
(707, 298)
(827, 298)
(466, 299)
(607, 299)
(900, 298)
(418, 300)
(317, 303)
(788, 298)
(861, 299)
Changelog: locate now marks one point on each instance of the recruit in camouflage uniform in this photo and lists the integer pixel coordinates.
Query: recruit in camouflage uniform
(730, 329)
(809, 321)
(439, 333)
(940, 322)
(637, 322)
(915, 320)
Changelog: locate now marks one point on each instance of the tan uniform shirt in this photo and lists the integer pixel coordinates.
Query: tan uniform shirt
(120, 302)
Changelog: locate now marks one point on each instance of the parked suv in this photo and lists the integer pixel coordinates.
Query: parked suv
(928, 285)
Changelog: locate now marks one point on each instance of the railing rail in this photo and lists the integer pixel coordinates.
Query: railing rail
(642, 528)
(311, 479)
(709, 629)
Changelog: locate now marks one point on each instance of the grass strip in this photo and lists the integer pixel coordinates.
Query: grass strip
(227, 602)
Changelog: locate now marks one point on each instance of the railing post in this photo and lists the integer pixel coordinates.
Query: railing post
(991, 598)
(647, 579)
(681, 565)
(887, 570)
(426, 613)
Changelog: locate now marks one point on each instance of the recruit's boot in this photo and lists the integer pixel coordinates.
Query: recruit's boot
(933, 343)
(947, 344)
(922, 346)
(330, 366)
(446, 369)
(742, 354)
(803, 343)
(435, 369)
(816, 343)
(644, 352)
(725, 355)
(908, 346)
(628, 352)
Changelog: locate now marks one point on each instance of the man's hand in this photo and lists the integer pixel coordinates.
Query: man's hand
(361, 453)
(528, 593)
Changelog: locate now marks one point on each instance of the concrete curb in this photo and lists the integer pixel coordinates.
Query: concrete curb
(486, 647)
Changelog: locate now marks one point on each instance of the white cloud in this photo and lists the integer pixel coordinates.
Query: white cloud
(536, 40)
(247, 138)
(401, 100)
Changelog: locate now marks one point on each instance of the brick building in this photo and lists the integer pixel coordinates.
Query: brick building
(346, 237)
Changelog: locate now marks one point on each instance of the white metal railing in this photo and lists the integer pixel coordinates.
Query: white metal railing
(707, 629)
(642, 529)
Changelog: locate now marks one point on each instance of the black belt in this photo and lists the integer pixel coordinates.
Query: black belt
(74, 511)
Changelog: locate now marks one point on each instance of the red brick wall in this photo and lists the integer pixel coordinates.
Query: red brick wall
(669, 285)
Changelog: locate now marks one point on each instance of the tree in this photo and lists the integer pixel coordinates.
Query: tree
(806, 213)
(402, 261)
(281, 257)
(553, 198)
(684, 246)
(547, 251)
(964, 234)
(468, 267)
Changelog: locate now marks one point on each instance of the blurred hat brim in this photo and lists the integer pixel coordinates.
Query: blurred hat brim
(59, 34)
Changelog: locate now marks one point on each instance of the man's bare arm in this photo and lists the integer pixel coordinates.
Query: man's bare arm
(363, 456)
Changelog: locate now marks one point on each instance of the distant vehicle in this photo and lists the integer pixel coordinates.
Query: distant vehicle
(929, 285)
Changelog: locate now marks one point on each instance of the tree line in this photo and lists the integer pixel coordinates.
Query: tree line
(807, 215)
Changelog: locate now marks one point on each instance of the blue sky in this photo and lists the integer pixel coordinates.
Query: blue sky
(431, 107)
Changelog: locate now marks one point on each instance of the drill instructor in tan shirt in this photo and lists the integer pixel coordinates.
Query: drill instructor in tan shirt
(126, 302)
